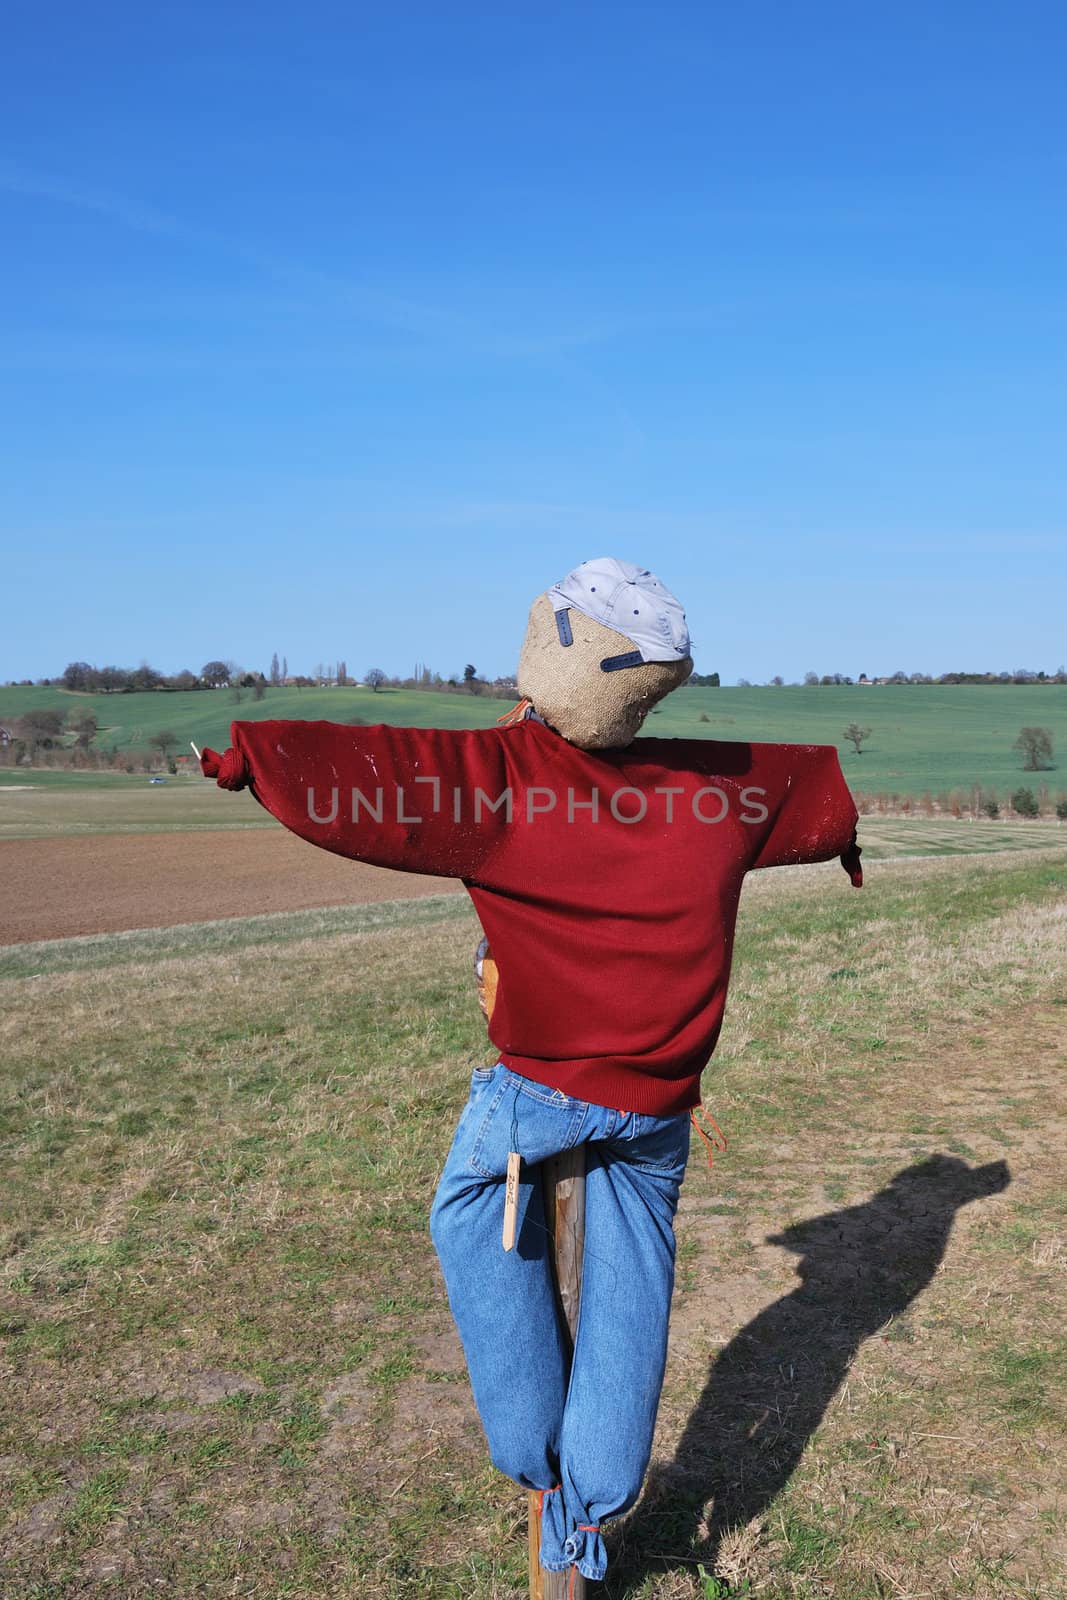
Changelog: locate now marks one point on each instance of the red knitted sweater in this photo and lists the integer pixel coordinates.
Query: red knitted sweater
(607, 881)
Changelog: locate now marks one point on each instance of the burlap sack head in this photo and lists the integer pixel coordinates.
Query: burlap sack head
(593, 709)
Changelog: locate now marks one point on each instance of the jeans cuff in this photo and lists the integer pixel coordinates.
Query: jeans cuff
(585, 1550)
(565, 1545)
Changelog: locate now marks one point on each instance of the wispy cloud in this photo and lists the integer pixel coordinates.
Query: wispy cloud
(553, 351)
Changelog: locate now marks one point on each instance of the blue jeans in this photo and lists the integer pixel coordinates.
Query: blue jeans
(580, 1430)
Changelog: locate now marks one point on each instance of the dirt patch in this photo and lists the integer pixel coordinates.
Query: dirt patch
(207, 1388)
(54, 888)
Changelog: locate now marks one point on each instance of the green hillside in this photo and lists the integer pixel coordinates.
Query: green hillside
(922, 736)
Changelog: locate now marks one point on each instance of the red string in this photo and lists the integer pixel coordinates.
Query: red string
(719, 1143)
(516, 713)
(541, 1498)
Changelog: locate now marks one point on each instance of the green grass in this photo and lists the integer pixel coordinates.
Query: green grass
(229, 1364)
(924, 737)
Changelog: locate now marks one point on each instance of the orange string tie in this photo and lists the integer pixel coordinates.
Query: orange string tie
(541, 1498)
(719, 1141)
(516, 713)
(583, 1527)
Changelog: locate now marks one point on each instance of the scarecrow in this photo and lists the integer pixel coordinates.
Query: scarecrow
(606, 872)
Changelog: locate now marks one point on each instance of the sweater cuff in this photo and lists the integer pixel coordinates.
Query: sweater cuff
(850, 860)
(231, 769)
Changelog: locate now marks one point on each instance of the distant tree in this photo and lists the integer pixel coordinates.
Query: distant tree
(811, 679)
(145, 678)
(777, 681)
(470, 677)
(41, 729)
(1036, 745)
(236, 694)
(1024, 804)
(275, 670)
(185, 679)
(164, 741)
(375, 677)
(1061, 810)
(856, 736)
(285, 669)
(743, 683)
(111, 678)
(78, 675)
(260, 690)
(216, 674)
(248, 680)
(342, 673)
(84, 725)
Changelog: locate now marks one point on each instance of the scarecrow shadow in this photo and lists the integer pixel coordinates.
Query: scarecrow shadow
(767, 1391)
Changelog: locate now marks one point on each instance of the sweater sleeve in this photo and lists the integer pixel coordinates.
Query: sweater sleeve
(415, 799)
(812, 815)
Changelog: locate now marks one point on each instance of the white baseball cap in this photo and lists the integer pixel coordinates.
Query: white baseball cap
(630, 600)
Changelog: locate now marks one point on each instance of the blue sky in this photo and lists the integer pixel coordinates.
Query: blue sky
(344, 330)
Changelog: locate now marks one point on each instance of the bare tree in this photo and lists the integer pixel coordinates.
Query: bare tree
(78, 675)
(41, 728)
(84, 724)
(375, 677)
(216, 674)
(856, 736)
(275, 670)
(164, 742)
(1036, 745)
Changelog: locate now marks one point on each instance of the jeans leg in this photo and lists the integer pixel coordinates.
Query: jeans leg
(621, 1346)
(503, 1302)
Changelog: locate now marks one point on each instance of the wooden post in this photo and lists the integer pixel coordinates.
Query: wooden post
(563, 1181)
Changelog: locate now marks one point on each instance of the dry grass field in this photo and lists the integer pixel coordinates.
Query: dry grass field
(227, 1362)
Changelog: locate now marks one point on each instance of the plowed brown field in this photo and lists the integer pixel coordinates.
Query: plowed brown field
(51, 888)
